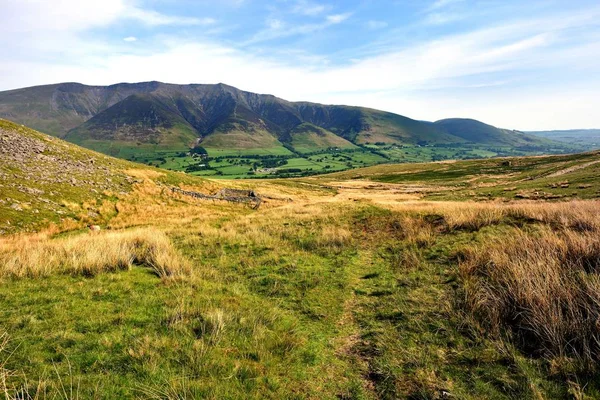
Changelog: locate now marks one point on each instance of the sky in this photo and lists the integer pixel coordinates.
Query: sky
(527, 65)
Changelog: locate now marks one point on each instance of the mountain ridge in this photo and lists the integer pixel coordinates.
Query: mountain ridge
(179, 116)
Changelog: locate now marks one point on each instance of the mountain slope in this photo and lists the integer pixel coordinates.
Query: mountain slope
(478, 132)
(138, 121)
(175, 117)
(307, 138)
(547, 177)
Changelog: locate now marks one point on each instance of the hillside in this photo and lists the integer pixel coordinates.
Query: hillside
(45, 180)
(575, 176)
(477, 132)
(173, 116)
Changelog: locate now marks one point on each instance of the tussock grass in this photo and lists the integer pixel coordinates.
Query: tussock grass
(543, 290)
(90, 254)
(578, 215)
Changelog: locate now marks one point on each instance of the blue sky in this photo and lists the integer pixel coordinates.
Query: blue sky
(515, 64)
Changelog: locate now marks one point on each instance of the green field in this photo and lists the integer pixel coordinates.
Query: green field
(281, 161)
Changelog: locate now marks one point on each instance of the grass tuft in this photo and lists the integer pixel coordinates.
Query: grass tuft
(542, 290)
(90, 254)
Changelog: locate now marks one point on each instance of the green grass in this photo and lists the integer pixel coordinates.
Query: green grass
(304, 316)
(308, 156)
(271, 151)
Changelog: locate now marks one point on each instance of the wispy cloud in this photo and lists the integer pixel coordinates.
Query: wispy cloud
(444, 11)
(440, 18)
(275, 24)
(153, 18)
(438, 4)
(373, 24)
(305, 7)
(277, 29)
(514, 72)
(75, 15)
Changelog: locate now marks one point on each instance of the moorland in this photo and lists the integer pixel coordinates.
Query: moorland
(458, 279)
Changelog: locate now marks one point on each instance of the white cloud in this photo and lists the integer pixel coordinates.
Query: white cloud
(154, 18)
(338, 18)
(444, 11)
(275, 24)
(66, 15)
(130, 39)
(440, 18)
(277, 29)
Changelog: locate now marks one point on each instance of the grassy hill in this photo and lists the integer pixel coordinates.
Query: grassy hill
(478, 132)
(140, 123)
(355, 285)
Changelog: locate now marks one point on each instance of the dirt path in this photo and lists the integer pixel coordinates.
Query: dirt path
(572, 169)
(347, 346)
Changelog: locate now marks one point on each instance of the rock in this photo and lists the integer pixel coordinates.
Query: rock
(25, 189)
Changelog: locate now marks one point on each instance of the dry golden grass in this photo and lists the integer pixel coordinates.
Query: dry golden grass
(90, 254)
(144, 173)
(579, 215)
(544, 290)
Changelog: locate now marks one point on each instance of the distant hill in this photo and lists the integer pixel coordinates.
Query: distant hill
(124, 117)
(478, 132)
(587, 138)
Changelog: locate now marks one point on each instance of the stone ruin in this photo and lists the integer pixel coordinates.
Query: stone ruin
(249, 197)
(225, 193)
